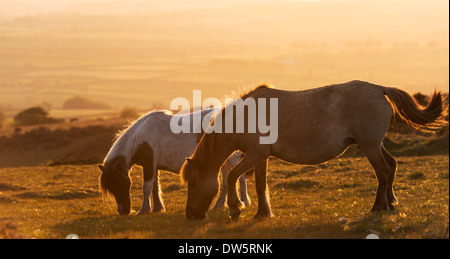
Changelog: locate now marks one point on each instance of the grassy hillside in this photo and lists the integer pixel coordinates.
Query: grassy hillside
(330, 200)
(49, 189)
(45, 145)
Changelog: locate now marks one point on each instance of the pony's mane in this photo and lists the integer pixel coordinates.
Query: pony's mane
(111, 178)
(244, 93)
(206, 144)
(131, 123)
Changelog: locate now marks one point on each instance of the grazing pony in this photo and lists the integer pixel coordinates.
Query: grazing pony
(313, 126)
(150, 143)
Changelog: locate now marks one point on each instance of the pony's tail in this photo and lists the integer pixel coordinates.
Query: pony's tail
(423, 118)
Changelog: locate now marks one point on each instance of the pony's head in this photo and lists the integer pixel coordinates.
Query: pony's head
(115, 181)
(202, 189)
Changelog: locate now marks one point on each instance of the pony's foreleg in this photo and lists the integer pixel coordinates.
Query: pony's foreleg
(234, 204)
(262, 191)
(220, 202)
(224, 170)
(151, 188)
(147, 187)
(233, 160)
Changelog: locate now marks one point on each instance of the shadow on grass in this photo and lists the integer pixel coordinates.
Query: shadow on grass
(159, 225)
(11, 187)
(218, 225)
(381, 223)
(66, 195)
(174, 225)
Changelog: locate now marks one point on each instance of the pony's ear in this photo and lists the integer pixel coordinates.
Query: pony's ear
(101, 167)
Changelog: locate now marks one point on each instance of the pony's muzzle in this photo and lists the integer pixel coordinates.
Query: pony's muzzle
(193, 216)
(122, 211)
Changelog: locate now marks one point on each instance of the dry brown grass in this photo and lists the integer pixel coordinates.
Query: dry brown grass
(330, 200)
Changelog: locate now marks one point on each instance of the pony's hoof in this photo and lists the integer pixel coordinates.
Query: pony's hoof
(159, 210)
(378, 208)
(247, 203)
(142, 212)
(235, 214)
(392, 206)
(392, 203)
(261, 216)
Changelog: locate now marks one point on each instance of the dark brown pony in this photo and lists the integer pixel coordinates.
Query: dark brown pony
(313, 126)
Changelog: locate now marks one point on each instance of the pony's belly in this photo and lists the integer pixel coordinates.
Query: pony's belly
(315, 154)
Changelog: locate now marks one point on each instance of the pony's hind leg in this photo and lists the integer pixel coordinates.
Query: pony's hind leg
(262, 191)
(220, 202)
(377, 160)
(158, 204)
(392, 200)
(243, 190)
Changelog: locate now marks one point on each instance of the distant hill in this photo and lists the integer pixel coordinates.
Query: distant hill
(79, 102)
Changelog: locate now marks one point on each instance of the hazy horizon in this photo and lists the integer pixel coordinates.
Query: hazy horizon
(14, 8)
(147, 52)
(23, 7)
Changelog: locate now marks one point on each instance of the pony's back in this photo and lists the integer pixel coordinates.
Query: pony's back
(128, 139)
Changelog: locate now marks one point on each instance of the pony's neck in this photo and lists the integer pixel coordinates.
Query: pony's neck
(122, 147)
(212, 152)
(129, 139)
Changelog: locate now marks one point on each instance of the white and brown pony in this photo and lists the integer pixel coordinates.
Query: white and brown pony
(150, 143)
(313, 126)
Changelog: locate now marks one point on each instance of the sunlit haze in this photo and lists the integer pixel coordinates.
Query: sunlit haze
(144, 53)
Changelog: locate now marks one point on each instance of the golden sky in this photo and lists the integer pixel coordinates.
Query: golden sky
(161, 49)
